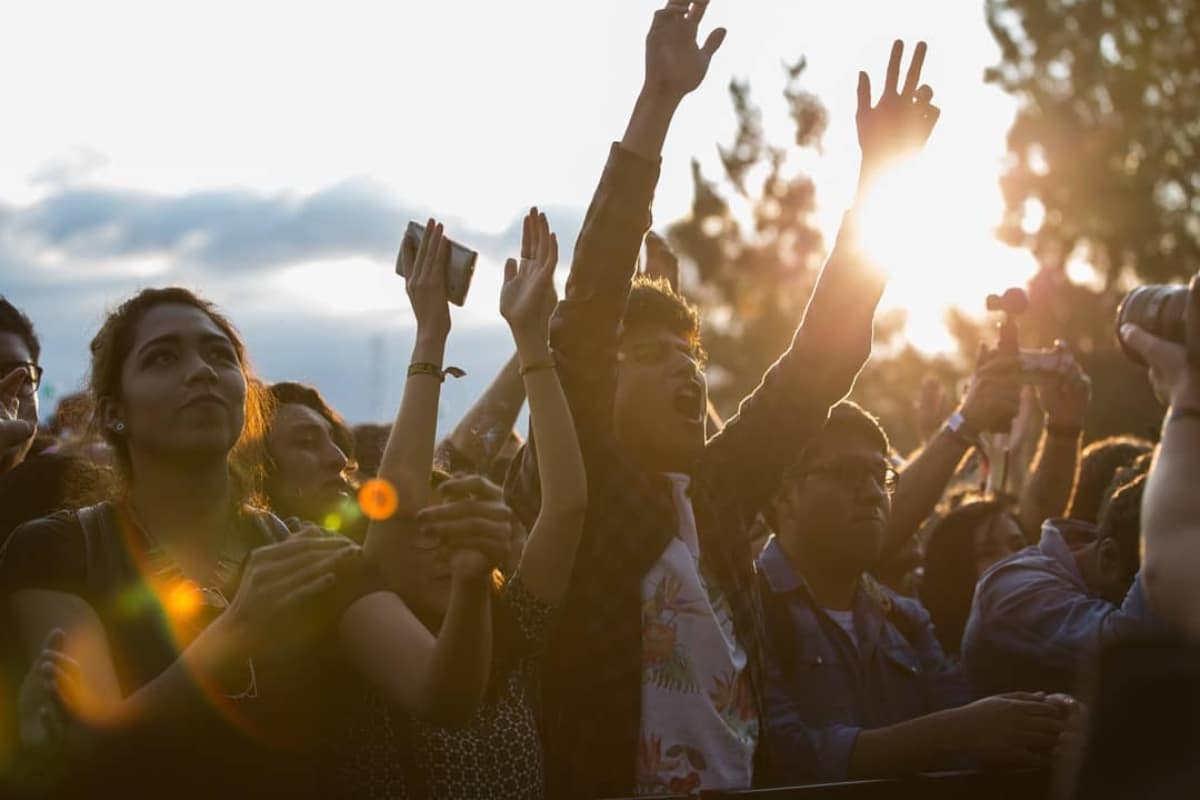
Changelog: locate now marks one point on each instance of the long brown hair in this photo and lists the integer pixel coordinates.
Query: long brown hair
(112, 345)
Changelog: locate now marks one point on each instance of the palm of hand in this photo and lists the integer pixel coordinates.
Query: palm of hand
(673, 59)
(527, 298)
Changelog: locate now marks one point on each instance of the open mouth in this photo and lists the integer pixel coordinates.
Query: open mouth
(688, 402)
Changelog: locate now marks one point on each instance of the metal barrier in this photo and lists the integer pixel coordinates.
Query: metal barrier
(1023, 785)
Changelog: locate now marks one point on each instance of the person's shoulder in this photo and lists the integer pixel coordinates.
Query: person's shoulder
(45, 553)
(910, 608)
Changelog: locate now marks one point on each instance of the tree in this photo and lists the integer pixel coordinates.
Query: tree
(1103, 168)
(1107, 133)
(756, 268)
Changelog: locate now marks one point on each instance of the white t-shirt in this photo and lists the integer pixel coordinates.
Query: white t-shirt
(699, 726)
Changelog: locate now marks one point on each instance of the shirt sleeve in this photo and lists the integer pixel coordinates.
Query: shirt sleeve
(945, 683)
(1038, 617)
(47, 553)
(791, 404)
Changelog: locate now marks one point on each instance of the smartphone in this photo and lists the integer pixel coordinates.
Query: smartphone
(460, 266)
(1039, 365)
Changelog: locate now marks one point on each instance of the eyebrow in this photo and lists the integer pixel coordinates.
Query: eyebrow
(174, 338)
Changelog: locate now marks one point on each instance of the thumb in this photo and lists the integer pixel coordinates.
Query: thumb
(55, 640)
(510, 269)
(1149, 347)
(713, 42)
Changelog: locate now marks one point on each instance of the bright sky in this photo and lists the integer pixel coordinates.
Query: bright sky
(473, 110)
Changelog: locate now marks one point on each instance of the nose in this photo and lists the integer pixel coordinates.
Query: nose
(199, 370)
(334, 459)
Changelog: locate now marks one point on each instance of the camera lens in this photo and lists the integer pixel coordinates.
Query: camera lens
(1156, 309)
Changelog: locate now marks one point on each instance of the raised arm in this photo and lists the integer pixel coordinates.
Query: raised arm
(833, 340)
(526, 302)
(442, 677)
(585, 326)
(408, 455)
(1047, 492)
(1171, 505)
(992, 398)
(481, 433)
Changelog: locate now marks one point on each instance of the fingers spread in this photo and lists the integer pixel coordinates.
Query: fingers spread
(713, 42)
(864, 92)
(914, 71)
(893, 70)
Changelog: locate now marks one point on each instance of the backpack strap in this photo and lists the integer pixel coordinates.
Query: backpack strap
(99, 543)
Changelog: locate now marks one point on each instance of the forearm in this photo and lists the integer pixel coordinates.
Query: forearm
(1047, 493)
(648, 124)
(408, 455)
(215, 664)
(457, 677)
(913, 746)
(922, 484)
(1171, 526)
(549, 554)
(485, 427)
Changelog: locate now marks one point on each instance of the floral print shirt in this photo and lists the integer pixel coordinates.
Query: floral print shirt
(699, 727)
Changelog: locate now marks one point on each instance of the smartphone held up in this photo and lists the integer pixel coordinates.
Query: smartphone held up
(459, 266)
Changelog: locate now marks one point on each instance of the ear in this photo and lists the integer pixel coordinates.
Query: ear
(110, 412)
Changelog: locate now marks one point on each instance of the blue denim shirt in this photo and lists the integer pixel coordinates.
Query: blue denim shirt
(822, 690)
(1034, 621)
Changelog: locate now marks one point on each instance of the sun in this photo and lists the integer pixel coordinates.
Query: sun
(929, 223)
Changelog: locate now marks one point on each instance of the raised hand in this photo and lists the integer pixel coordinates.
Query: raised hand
(901, 122)
(528, 297)
(1065, 399)
(13, 431)
(675, 63)
(1174, 368)
(426, 283)
(279, 579)
(994, 397)
(474, 526)
(661, 261)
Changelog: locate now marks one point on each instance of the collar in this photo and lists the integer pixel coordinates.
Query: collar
(1054, 546)
(777, 568)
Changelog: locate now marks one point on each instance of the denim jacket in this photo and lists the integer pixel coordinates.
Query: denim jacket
(822, 690)
(1034, 620)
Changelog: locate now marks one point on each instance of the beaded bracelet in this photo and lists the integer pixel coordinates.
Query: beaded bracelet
(434, 371)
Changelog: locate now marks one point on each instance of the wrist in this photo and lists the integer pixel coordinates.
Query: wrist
(531, 348)
(658, 96)
(429, 348)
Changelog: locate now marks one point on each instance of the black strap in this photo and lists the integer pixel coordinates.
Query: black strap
(99, 544)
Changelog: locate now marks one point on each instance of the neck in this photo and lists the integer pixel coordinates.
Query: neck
(182, 503)
(831, 587)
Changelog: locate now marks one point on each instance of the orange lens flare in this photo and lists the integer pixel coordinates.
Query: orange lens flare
(378, 500)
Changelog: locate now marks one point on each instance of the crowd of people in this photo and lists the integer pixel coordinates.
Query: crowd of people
(215, 584)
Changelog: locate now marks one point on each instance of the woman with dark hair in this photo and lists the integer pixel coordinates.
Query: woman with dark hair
(173, 632)
(310, 456)
(387, 750)
(961, 547)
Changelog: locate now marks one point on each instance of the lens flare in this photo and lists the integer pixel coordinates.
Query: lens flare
(377, 499)
(183, 601)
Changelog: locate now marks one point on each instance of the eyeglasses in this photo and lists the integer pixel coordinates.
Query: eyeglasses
(33, 376)
(650, 354)
(851, 474)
